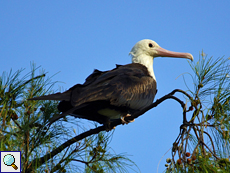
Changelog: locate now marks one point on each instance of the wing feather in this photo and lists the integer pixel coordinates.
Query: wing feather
(129, 85)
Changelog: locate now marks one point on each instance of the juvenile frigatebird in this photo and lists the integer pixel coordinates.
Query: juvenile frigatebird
(116, 93)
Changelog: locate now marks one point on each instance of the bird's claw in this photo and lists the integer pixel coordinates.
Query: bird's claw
(125, 122)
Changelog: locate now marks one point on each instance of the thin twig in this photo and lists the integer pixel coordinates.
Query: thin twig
(210, 150)
(211, 142)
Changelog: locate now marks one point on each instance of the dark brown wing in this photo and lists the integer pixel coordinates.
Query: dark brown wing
(129, 85)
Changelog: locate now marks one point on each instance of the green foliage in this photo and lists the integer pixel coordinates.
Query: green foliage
(206, 135)
(23, 124)
(100, 158)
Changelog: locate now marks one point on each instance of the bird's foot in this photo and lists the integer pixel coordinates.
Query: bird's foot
(126, 122)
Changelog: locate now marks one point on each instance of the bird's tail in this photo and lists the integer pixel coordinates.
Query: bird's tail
(56, 96)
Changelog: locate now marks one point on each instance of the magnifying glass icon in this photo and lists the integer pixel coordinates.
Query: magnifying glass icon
(9, 160)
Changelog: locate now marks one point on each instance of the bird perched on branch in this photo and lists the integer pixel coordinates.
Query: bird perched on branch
(116, 93)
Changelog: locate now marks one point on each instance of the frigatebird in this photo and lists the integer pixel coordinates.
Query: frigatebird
(116, 93)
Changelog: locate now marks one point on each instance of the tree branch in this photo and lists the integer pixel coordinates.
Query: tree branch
(39, 161)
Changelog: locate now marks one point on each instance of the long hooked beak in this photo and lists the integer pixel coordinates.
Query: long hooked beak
(166, 53)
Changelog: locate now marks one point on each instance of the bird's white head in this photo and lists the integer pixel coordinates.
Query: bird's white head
(145, 50)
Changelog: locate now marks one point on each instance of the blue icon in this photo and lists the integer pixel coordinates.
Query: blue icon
(9, 160)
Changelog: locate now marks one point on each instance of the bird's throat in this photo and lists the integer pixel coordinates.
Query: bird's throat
(145, 60)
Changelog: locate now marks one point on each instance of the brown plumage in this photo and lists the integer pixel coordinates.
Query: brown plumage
(123, 90)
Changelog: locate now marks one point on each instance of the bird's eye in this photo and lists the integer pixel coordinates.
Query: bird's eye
(150, 45)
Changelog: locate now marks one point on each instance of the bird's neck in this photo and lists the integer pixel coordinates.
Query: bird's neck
(145, 60)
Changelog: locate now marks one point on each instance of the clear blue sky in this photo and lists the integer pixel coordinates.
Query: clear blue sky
(75, 37)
